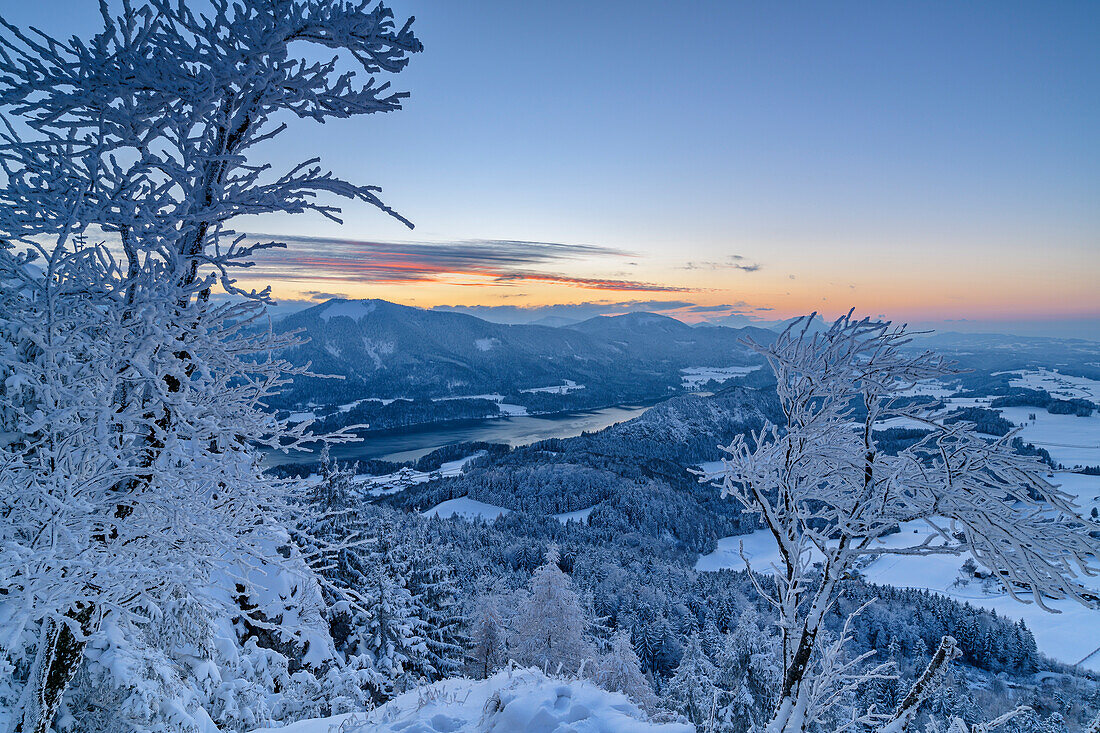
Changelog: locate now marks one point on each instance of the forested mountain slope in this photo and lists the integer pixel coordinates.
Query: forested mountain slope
(385, 350)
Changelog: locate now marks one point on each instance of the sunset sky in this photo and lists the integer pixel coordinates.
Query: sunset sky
(927, 161)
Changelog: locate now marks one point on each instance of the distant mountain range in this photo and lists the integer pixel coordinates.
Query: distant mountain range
(384, 350)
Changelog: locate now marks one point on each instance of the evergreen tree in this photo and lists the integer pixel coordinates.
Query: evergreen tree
(621, 671)
(692, 691)
(435, 598)
(394, 631)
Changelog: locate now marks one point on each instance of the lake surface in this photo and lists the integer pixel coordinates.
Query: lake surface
(412, 443)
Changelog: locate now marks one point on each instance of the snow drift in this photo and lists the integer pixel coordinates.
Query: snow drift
(511, 701)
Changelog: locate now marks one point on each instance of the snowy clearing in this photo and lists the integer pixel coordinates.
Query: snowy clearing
(694, 377)
(511, 701)
(486, 344)
(466, 508)
(581, 515)
(505, 408)
(569, 386)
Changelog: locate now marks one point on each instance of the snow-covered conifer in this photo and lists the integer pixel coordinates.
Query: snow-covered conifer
(551, 625)
(692, 691)
(620, 670)
(488, 636)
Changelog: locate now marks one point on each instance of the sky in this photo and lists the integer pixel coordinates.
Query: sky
(932, 162)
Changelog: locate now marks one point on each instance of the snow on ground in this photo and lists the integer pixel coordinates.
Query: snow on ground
(1071, 636)
(505, 408)
(929, 388)
(1062, 386)
(466, 508)
(1070, 440)
(486, 344)
(581, 515)
(353, 309)
(356, 403)
(695, 376)
(569, 386)
(519, 701)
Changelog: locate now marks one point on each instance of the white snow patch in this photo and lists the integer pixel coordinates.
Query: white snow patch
(695, 376)
(353, 309)
(506, 409)
(486, 344)
(349, 405)
(466, 508)
(929, 388)
(569, 386)
(520, 701)
(301, 416)
(377, 349)
(581, 515)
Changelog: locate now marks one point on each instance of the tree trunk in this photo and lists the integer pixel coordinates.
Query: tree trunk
(59, 656)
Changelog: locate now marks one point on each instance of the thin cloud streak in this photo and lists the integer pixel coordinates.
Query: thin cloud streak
(501, 262)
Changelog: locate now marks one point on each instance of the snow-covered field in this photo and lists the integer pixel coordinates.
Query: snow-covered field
(581, 515)
(1062, 386)
(511, 701)
(1071, 636)
(695, 376)
(569, 386)
(505, 408)
(466, 508)
(1071, 440)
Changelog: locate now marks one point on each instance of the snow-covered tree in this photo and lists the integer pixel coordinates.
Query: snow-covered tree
(551, 624)
(829, 496)
(435, 597)
(692, 691)
(394, 633)
(131, 397)
(620, 670)
(749, 670)
(488, 636)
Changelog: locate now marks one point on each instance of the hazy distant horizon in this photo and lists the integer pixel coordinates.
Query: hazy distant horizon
(1083, 328)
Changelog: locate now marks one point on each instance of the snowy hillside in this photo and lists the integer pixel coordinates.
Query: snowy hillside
(519, 701)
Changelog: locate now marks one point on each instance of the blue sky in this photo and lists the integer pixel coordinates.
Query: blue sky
(926, 160)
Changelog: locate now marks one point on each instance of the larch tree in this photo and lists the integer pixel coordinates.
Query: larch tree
(488, 636)
(131, 396)
(551, 624)
(830, 497)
